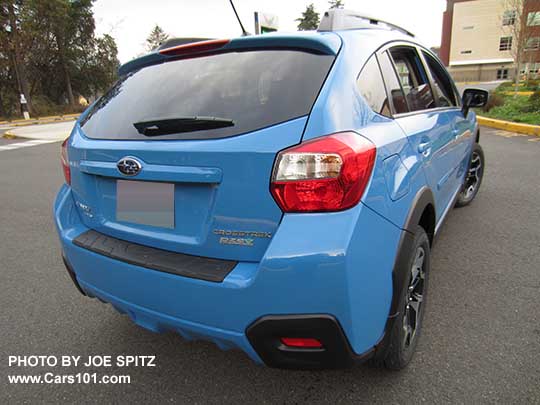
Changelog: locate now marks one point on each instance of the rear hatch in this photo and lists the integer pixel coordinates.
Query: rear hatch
(203, 131)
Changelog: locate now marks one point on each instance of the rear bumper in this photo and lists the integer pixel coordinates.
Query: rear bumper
(341, 275)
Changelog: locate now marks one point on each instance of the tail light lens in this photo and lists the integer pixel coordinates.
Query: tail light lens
(65, 162)
(195, 47)
(324, 174)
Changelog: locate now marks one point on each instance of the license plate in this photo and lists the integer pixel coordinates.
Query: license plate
(145, 203)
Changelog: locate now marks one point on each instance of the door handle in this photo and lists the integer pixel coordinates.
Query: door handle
(424, 148)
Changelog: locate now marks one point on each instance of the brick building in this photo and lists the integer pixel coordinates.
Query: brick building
(478, 42)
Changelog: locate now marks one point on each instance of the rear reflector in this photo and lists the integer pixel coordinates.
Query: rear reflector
(302, 342)
(329, 173)
(195, 47)
(65, 162)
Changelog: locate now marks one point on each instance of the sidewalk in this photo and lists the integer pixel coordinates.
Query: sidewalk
(57, 131)
(39, 120)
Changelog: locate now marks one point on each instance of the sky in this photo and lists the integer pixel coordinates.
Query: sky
(130, 21)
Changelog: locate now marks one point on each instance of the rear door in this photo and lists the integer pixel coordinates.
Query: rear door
(203, 133)
(447, 97)
(428, 129)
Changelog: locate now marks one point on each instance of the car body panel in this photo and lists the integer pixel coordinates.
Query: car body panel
(338, 272)
(215, 188)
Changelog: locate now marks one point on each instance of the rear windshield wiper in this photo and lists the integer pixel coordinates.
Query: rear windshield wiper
(166, 126)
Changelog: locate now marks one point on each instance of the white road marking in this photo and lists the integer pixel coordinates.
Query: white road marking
(26, 144)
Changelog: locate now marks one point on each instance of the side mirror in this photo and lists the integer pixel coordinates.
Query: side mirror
(473, 98)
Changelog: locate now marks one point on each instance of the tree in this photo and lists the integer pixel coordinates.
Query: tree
(50, 53)
(309, 20)
(156, 38)
(336, 4)
(69, 25)
(515, 24)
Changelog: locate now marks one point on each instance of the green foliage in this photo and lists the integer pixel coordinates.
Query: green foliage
(531, 85)
(336, 4)
(309, 20)
(156, 38)
(533, 104)
(518, 109)
(495, 100)
(52, 46)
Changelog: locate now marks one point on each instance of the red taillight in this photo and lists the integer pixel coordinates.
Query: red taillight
(324, 174)
(195, 47)
(302, 342)
(65, 162)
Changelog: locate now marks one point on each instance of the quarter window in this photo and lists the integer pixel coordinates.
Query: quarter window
(413, 78)
(371, 85)
(505, 44)
(442, 84)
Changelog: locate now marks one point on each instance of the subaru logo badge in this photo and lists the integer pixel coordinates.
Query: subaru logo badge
(129, 166)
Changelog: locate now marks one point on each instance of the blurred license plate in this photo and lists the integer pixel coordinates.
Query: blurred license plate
(145, 202)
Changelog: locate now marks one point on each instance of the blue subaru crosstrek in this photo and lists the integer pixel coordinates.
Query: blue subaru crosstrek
(278, 193)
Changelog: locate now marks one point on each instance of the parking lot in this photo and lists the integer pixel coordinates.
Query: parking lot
(481, 337)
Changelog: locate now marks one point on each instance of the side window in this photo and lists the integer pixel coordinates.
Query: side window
(413, 78)
(371, 85)
(392, 85)
(442, 84)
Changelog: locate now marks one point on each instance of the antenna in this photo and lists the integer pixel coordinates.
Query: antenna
(244, 32)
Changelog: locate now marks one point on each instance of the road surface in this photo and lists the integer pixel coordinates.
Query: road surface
(480, 343)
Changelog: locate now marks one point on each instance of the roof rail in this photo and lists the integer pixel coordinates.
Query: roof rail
(340, 19)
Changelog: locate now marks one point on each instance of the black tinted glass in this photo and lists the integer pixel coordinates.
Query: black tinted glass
(371, 85)
(392, 84)
(443, 88)
(413, 78)
(253, 89)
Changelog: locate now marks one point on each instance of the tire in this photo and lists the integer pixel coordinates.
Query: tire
(403, 336)
(473, 180)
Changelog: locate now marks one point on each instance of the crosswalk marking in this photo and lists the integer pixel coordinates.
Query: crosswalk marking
(26, 144)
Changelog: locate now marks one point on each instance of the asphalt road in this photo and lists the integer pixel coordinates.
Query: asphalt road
(481, 338)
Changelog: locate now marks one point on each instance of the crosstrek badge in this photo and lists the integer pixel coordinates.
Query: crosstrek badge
(230, 237)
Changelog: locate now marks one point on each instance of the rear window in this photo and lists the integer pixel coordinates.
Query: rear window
(253, 89)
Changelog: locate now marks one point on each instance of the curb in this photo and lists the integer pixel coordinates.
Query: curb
(519, 93)
(9, 135)
(526, 129)
(41, 120)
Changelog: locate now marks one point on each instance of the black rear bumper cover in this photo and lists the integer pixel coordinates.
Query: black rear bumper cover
(265, 333)
(72, 275)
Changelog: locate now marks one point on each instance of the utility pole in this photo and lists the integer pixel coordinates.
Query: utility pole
(18, 67)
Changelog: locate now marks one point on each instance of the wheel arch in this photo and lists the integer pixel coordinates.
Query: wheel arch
(422, 212)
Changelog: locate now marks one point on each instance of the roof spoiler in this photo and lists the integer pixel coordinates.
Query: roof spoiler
(323, 44)
(340, 19)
